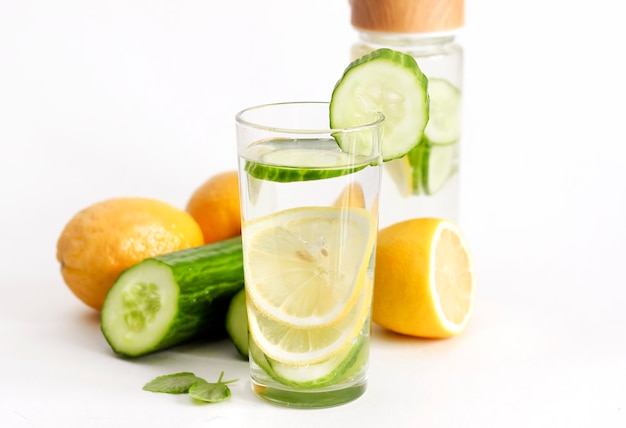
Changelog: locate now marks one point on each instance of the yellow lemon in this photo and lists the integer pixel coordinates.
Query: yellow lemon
(215, 207)
(105, 238)
(425, 279)
(308, 281)
(351, 196)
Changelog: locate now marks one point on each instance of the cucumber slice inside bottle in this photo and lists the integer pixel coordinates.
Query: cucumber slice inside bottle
(444, 123)
(434, 160)
(439, 163)
(388, 82)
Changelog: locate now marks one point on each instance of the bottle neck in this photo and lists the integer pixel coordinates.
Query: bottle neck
(416, 44)
(403, 40)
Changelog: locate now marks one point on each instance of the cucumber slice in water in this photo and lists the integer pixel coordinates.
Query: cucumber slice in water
(389, 82)
(287, 160)
(319, 375)
(444, 123)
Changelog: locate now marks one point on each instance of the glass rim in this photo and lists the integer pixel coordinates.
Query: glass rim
(239, 117)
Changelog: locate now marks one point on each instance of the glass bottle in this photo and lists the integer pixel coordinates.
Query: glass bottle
(424, 183)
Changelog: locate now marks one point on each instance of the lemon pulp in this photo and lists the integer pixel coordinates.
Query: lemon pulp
(308, 281)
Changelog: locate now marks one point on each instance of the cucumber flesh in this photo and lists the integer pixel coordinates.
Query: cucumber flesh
(388, 82)
(444, 123)
(237, 323)
(288, 160)
(435, 159)
(439, 163)
(319, 375)
(173, 298)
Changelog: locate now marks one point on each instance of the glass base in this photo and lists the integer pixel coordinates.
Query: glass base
(311, 399)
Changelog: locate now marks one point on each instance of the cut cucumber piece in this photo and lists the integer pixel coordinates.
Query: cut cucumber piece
(237, 322)
(444, 123)
(434, 160)
(299, 160)
(439, 163)
(389, 82)
(169, 299)
(319, 375)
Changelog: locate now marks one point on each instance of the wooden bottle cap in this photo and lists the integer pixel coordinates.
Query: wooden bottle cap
(408, 16)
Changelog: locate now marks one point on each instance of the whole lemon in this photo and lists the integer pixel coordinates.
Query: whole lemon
(215, 206)
(105, 238)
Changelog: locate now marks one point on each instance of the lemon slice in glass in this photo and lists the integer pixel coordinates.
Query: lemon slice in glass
(304, 267)
(294, 346)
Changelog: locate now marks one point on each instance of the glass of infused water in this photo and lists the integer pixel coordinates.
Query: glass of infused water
(309, 224)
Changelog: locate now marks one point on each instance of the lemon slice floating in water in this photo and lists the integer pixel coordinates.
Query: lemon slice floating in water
(305, 267)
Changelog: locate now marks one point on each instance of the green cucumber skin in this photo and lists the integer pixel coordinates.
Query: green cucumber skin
(207, 278)
(415, 156)
(237, 323)
(354, 361)
(404, 60)
(399, 59)
(288, 175)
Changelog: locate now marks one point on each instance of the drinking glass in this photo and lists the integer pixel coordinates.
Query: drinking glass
(309, 206)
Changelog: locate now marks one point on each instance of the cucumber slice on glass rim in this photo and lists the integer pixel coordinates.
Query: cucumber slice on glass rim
(388, 82)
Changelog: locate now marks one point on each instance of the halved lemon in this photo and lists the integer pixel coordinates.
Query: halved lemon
(304, 267)
(425, 279)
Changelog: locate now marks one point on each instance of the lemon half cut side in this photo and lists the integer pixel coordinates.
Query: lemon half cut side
(425, 282)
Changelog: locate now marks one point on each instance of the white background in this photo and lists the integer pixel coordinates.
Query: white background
(136, 98)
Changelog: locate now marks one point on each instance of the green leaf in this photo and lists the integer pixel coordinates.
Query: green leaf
(209, 392)
(177, 383)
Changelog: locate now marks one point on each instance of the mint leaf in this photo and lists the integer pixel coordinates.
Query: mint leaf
(211, 392)
(177, 383)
